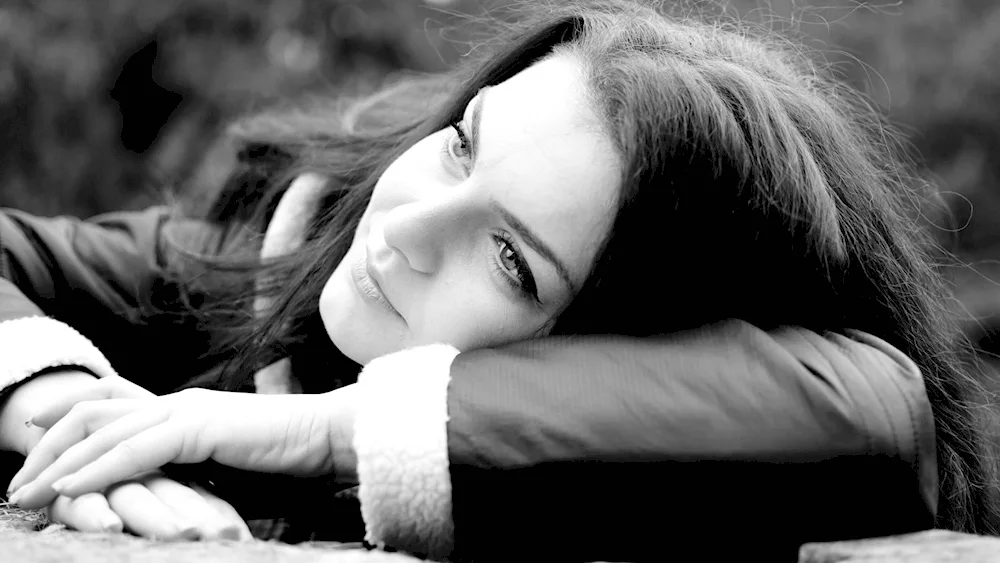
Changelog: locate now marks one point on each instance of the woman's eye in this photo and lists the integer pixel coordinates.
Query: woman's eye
(509, 258)
(516, 271)
(458, 146)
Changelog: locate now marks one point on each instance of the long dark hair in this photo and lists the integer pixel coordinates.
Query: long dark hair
(753, 187)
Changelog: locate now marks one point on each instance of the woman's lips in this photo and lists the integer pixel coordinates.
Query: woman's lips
(368, 288)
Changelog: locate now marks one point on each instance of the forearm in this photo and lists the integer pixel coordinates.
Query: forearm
(444, 442)
(727, 427)
(27, 399)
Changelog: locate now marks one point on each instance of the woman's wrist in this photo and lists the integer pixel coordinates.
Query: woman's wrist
(29, 397)
(340, 407)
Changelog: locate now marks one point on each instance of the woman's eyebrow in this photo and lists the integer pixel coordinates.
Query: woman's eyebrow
(534, 242)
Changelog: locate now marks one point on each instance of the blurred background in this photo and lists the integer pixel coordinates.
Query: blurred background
(101, 101)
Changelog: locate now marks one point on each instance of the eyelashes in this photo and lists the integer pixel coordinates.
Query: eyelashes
(508, 256)
(465, 145)
(458, 148)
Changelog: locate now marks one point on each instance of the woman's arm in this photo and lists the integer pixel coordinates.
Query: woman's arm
(568, 448)
(72, 292)
(54, 273)
(583, 447)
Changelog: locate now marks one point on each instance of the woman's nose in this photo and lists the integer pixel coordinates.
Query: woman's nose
(422, 232)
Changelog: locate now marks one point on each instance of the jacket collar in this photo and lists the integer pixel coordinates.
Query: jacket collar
(284, 234)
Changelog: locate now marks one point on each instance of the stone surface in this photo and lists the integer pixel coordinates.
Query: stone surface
(937, 546)
(21, 542)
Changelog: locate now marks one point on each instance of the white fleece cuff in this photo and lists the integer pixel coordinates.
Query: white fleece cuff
(401, 442)
(31, 344)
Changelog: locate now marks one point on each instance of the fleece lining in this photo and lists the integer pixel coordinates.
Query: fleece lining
(401, 442)
(31, 344)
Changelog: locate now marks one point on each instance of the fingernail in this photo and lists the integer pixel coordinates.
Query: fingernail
(16, 496)
(188, 532)
(62, 483)
(228, 533)
(15, 484)
(111, 524)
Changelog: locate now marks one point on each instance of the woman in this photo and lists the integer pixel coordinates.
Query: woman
(803, 357)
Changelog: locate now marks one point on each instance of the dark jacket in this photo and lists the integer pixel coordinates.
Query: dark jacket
(722, 441)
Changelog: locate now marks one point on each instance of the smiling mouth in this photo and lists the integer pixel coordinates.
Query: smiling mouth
(368, 288)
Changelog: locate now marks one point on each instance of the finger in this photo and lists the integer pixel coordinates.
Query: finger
(86, 419)
(227, 511)
(117, 452)
(31, 438)
(88, 513)
(192, 507)
(145, 515)
(111, 387)
(40, 492)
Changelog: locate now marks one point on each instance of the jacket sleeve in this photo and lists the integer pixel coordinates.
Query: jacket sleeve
(728, 439)
(71, 292)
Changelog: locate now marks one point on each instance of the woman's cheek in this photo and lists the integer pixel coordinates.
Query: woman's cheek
(483, 321)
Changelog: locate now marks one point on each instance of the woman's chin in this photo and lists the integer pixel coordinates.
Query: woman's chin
(347, 337)
(352, 324)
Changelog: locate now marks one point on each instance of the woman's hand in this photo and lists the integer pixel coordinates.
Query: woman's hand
(99, 443)
(154, 506)
(151, 505)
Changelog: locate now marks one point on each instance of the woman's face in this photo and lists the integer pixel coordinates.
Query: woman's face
(481, 237)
